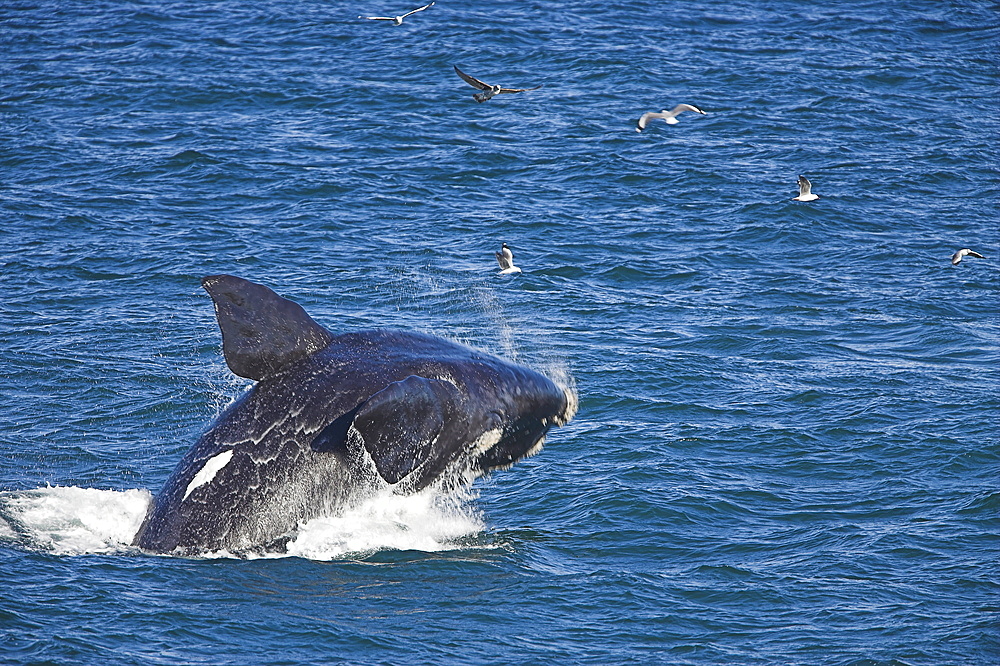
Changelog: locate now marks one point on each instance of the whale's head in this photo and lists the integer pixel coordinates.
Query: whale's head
(529, 404)
(459, 414)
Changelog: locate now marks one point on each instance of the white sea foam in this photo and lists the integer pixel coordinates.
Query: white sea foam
(427, 521)
(6, 531)
(78, 521)
(74, 521)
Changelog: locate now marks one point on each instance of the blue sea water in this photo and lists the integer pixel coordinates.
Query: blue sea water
(786, 450)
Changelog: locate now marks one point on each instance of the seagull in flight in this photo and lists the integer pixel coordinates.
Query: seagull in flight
(669, 116)
(488, 91)
(397, 20)
(805, 190)
(506, 260)
(956, 258)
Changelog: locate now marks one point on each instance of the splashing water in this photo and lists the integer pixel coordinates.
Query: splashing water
(427, 521)
(79, 521)
(71, 520)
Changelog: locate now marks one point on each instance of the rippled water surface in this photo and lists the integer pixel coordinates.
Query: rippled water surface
(786, 449)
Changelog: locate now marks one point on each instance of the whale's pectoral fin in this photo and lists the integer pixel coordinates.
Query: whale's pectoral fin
(261, 331)
(400, 424)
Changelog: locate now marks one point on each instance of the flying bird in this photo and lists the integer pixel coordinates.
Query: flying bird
(506, 260)
(956, 258)
(488, 91)
(669, 116)
(396, 20)
(805, 190)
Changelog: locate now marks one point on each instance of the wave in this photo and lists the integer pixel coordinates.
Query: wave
(67, 520)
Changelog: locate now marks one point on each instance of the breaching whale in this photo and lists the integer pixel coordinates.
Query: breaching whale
(331, 416)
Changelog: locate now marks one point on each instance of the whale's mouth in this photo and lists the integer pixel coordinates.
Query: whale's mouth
(524, 437)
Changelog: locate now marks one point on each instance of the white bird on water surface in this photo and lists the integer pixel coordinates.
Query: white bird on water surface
(396, 20)
(670, 117)
(956, 258)
(506, 260)
(805, 190)
(489, 91)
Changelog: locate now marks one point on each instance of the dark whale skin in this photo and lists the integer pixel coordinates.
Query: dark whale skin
(364, 411)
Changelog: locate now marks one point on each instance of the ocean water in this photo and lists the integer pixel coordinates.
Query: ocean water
(786, 450)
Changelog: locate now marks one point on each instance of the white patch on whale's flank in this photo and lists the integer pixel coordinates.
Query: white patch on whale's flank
(208, 472)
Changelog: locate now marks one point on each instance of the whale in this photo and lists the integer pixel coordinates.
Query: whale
(332, 418)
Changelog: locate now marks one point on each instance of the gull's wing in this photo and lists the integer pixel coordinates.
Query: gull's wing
(644, 118)
(471, 80)
(957, 257)
(379, 18)
(805, 187)
(686, 107)
(514, 90)
(502, 260)
(418, 9)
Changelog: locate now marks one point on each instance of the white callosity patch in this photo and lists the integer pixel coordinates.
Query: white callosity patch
(208, 472)
(487, 441)
(572, 404)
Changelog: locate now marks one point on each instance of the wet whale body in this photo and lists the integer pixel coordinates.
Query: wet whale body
(331, 417)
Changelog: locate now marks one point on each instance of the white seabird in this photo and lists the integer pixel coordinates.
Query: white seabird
(489, 91)
(396, 20)
(506, 260)
(805, 190)
(670, 117)
(957, 257)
